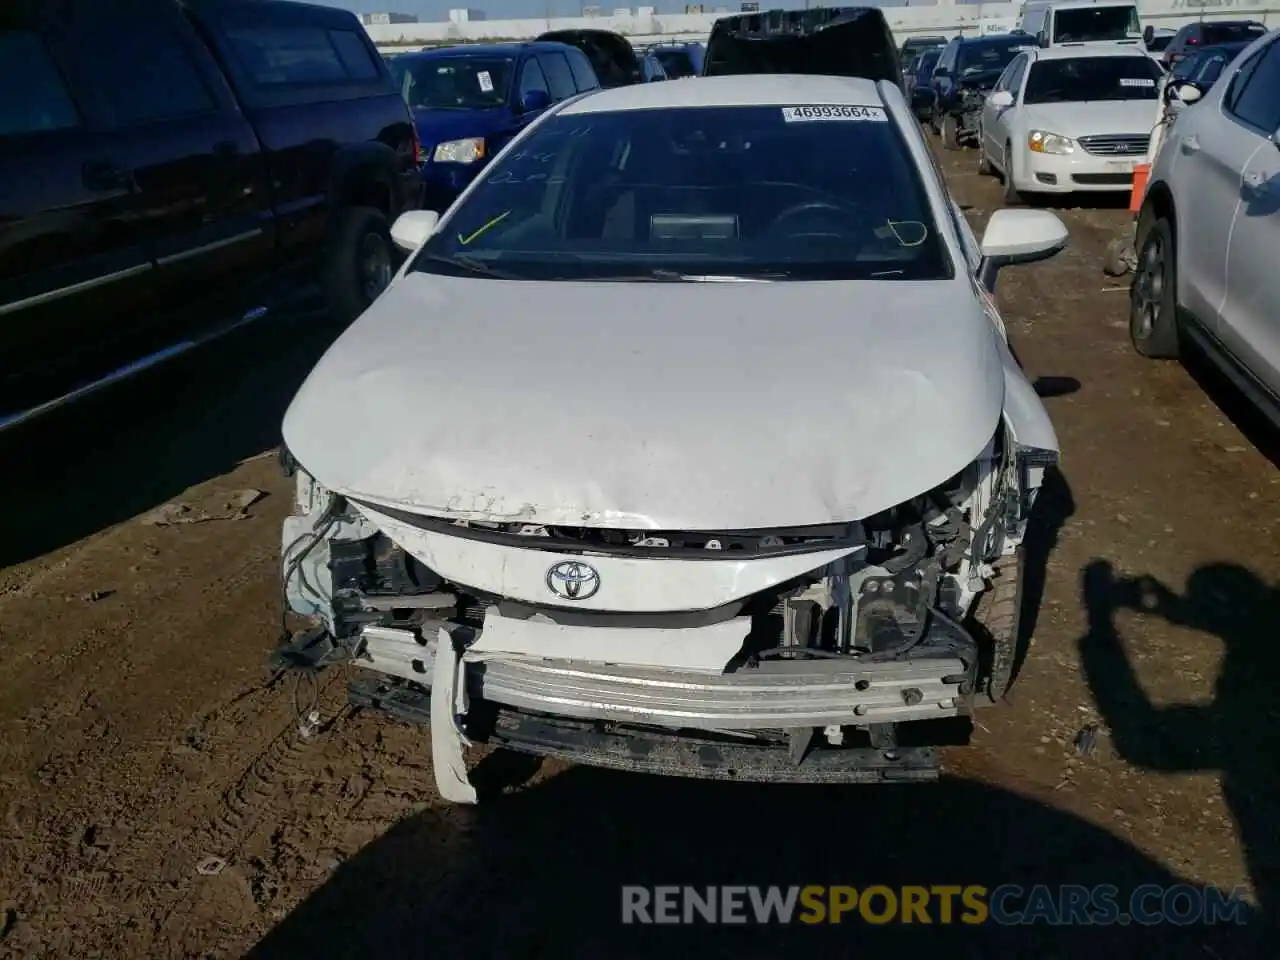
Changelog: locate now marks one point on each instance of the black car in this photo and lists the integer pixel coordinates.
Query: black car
(967, 69)
(173, 170)
(915, 46)
(916, 82)
(1203, 67)
(678, 59)
(839, 41)
(614, 59)
(1211, 33)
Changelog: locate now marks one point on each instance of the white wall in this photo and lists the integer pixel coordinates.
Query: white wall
(945, 18)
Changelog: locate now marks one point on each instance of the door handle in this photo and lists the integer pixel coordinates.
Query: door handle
(1190, 144)
(103, 176)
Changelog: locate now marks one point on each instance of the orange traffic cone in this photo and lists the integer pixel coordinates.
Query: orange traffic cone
(1141, 174)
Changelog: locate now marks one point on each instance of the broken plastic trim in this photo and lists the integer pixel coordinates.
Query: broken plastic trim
(812, 539)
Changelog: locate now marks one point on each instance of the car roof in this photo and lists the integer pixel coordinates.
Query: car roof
(1089, 4)
(997, 39)
(1234, 47)
(1089, 50)
(488, 49)
(744, 90)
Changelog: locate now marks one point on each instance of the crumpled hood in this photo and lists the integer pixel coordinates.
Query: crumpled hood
(1094, 117)
(664, 406)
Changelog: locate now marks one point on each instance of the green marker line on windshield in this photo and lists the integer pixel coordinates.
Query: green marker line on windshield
(492, 223)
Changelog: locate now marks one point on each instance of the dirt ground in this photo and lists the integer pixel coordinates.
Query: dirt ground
(137, 738)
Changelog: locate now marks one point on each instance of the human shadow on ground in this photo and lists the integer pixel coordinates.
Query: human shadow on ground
(540, 873)
(1237, 734)
(126, 450)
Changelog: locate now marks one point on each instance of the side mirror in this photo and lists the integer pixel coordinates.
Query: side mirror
(1188, 92)
(1001, 99)
(1042, 39)
(535, 100)
(1148, 35)
(413, 228)
(1275, 138)
(1018, 236)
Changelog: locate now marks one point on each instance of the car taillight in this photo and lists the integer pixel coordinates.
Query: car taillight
(418, 156)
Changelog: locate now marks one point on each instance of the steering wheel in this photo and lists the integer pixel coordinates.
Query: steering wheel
(824, 212)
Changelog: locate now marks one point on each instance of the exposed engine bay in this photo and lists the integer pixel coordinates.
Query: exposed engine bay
(817, 676)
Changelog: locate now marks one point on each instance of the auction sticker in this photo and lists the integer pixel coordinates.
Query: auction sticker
(486, 82)
(833, 112)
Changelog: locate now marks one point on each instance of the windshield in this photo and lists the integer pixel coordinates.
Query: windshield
(926, 63)
(452, 83)
(1230, 32)
(978, 58)
(1092, 78)
(677, 63)
(1090, 25)
(805, 192)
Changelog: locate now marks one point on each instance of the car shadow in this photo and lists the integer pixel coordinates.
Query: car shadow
(540, 872)
(1235, 405)
(123, 451)
(1235, 734)
(1097, 200)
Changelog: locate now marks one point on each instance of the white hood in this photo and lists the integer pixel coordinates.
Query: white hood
(1093, 117)
(661, 406)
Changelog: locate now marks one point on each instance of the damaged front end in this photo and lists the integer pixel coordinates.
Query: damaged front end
(834, 653)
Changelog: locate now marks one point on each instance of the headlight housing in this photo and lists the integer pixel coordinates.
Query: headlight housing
(1042, 141)
(460, 151)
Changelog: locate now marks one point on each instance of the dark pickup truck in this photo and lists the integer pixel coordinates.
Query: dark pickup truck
(173, 169)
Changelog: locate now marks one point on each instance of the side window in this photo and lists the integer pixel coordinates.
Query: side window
(45, 104)
(1255, 93)
(531, 79)
(287, 56)
(132, 70)
(559, 76)
(354, 54)
(583, 75)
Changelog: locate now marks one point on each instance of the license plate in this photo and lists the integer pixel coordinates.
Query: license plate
(1121, 166)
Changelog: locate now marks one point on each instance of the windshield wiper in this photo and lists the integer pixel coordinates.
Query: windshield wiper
(471, 265)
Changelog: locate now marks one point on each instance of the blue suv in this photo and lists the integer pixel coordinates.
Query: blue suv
(469, 102)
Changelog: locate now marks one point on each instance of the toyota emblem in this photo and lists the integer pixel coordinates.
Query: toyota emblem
(571, 580)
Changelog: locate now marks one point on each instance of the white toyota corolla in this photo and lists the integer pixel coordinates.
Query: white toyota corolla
(687, 441)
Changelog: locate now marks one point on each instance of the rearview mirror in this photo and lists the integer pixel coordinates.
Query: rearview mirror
(535, 100)
(413, 228)
(1001, 98)
(1018, 236)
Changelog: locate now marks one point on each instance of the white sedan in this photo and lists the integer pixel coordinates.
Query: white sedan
(684, 355)
(1068, 119)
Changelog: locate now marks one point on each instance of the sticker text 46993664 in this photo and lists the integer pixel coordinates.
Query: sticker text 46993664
(845, 112)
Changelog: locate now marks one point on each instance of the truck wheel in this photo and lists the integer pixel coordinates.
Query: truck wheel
(1153, 294)
(359, 262)
(998, 613)
(950, 132)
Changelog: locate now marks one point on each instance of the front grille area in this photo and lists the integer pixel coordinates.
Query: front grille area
(1116, 145)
